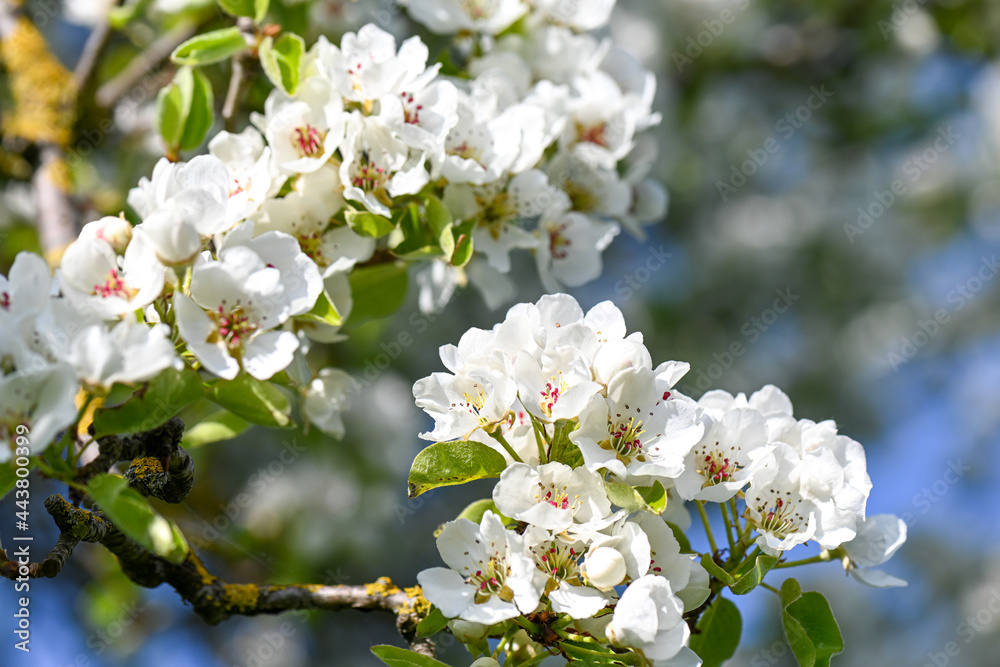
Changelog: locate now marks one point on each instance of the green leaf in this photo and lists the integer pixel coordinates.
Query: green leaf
(377, 291)
(463, 243)
(370, 224)
(200, 112)
(810, 627)
(7, 478)
(152, 405)
(434, 623)
(210, 47)
(237, 7)
(749, 581)
(260, 10)
(719, 633)
(220, 425)
(411, 237)
(171, 111)
(474, 511)
(254, 400)
(681, 538)
(716, 570)
(401, 657)
(440, 221)
(132, 514)
(281, 60)
(450, 463)
(647, 498)
(588, 653)
(654, 496)
(324, 312)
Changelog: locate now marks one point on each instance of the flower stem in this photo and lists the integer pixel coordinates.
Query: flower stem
(708, 527)
(729, 533)
(498, 436)
(822, 557)
(540, 440)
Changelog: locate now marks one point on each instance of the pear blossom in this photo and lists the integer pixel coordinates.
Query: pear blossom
(648, 618)
(445, 17)
(878, 538)
(326, 399)
(570, 250)
(558, 386)
(461, 404)
(303, 131)
(25, 291)
(228, 321)
(196, 192)
(492, 577)
(559, 558)
(128, 352)
(580, 14)
(775, 506)
(252, 177)
(551, 496)
(94, 277)
(114, 230)
(378, 166)
(38, 397)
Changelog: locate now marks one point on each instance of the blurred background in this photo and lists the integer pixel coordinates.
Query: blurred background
(834, 221)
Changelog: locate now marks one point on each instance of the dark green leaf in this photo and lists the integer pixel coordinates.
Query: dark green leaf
(132, 514)
(237, 7)
(401, 657)
(219, 426)
(474, 511)
(749, 581)
(450, 463)
(254, 400)
(716, 570)
(434, 623)
(210, 47)
(170, 113)
(655, 497)
(151, 405)
(377, 291)
(719, 633)
(810, 627)
(200, 113)
(681, 538)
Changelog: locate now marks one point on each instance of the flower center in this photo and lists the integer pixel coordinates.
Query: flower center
(557, 497)
(411, 113)
(467, 151)
(5, 300)
(233, 327)
(490, 580)
(478, 9)
(308, 140)
(715, 466)
(114, 285)
(368, 176)
(779, 516)
(312, 245)
(554, 388)
(495, 212)
(626, 436)
(581, 198)
(558, 242)
(559, 561)
(594, 134)
(475, 402)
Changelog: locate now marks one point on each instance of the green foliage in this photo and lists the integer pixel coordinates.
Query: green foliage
(256, 401)
(152, 405)
(210, 47)
(434, 623)
(463, 243)
(255, 9)
(378, 291)
(811, 629)
(132, 514)
(647, 498)
(185, 110)
(368, 224)
(718, 635)
(218, 426)
(324, 312)
(749, 581)
(450, 463)
(281, 60)
(401, 657)
(7, 478)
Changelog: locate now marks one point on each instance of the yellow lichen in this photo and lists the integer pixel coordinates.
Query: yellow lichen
(43, 90)
(420, 605)
(241, 596)
(146, 466)
(383, 586)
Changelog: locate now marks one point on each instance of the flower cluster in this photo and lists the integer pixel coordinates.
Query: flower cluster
(601, 452)
(240, 258)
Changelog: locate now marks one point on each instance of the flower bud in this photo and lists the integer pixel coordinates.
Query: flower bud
(605, 568)
(467, 632)
(117, 232)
